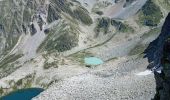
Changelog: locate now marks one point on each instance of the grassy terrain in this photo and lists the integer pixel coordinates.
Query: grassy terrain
(99, 12)
(64, 42)
(165, 4)
(80, 56)
(14, 19)
(112, 59)
(82, 15)
(20, 84)
(1, 91)
(138, 49)
(62, 38)
(150, 14)
(122, 27)
(151, 32)
(52, 15)
(9, 59)
(78, 13)
(10, 43)
(48, 65)
(103, 25)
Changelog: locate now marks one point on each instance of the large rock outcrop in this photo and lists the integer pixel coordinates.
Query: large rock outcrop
(158, 55)
(155, 48)
(163, 79)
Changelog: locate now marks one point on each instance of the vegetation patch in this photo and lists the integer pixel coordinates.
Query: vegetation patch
(80, 56)
(20, 84)
(121, 26)
(150, 14)
(138, 49)
(165, 4)
(1, 91)
(65, 42)
(82, 15)
(151, 32)
(64, 6)
(9, 59)
(52, 14)
(62, 38)
(14, 22)
(103, 25)
(99, 12)
(9, 64)
(112, 59)
(48, 65)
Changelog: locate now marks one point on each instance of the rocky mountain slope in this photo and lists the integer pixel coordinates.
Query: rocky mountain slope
(43, 44)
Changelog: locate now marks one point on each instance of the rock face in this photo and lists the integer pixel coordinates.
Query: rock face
(155, 49)
(163, 79)
(159, 57)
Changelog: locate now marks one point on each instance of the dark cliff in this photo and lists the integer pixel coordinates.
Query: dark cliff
(159, 57)
(154, 50)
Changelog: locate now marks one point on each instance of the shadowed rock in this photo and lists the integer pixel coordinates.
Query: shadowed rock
(158, 54)
(154, 50)
(32, 29)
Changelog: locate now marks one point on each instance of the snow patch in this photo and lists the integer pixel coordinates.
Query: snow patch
(145, 73)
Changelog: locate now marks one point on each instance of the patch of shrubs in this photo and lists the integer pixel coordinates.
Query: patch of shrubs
(150, 14)
(103, 25)
(83, 16)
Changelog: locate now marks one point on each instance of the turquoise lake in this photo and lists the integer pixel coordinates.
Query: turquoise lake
(93, 61)
(24, 94)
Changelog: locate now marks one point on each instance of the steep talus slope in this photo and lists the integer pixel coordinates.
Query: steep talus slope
(11, 25)
(16, 18)
(12, 20)
(69, 16)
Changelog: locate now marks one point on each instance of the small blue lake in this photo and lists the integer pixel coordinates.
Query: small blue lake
(24, 94)
(93, 61)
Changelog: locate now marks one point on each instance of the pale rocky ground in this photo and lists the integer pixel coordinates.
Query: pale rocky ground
(114, 80)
